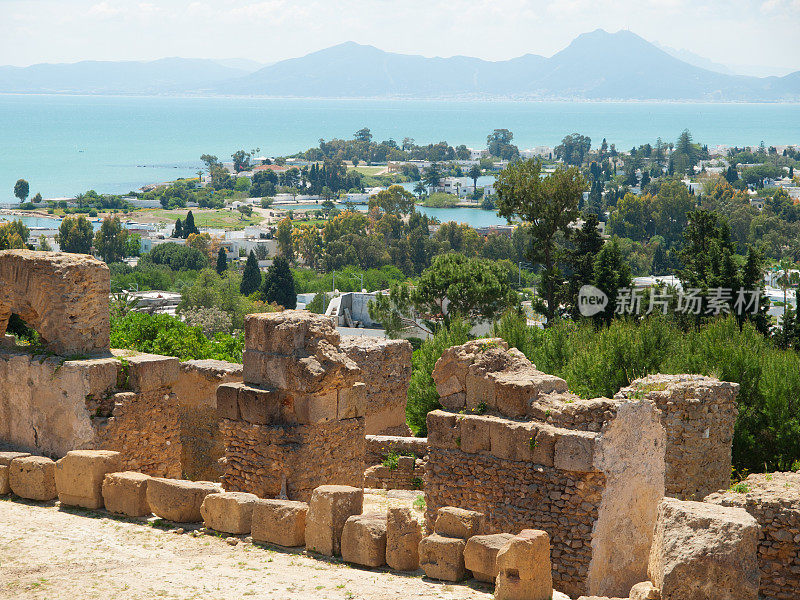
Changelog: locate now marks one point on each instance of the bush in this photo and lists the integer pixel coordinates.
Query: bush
(177, 257)
(422, 396)
(168, 335)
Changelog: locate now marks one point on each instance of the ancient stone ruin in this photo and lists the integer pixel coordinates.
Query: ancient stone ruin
(698, 413)
(297, 421)
(64, 297)
(773, 499)
(589, 473)
(386, 365)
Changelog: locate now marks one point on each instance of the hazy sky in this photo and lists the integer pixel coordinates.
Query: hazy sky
(734, 32)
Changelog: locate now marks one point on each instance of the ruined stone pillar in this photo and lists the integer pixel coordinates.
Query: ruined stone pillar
(297, 421)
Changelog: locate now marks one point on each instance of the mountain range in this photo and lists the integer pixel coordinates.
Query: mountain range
(595, 66)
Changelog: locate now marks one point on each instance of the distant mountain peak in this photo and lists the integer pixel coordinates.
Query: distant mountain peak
(597, 65)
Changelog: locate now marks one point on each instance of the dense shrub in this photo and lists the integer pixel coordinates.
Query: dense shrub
(422, 396)
(177, 257)
(168, 335)
(599, 362)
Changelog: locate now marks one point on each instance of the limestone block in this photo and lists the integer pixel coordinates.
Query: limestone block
(259, 406)
(644, 591)
(352, 401)
(480, 391)
(125, 493)
(288, 331)
(179, 500)
(79, 476)
(459, 522)
(703, 551)
(7, 457)
(364, 539)
(443, 429)
(149, 372)
(33, 477)
(321, 407)
(480, 555)
(454, 401)
(442, 557)
(281, 522)
(406, 463)
(524, 570)
(574, 451)
(5, 488)
(475, 434)
(328, 510)
(228, 401)
(403, 535)
(327, 368)
(228, 512)
(62, 296)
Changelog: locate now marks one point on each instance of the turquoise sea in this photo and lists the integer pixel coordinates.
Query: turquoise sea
(64, 145)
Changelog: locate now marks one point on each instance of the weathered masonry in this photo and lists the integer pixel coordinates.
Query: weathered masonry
(698, 413)
(159, 413)
(297, 421)
(590, 473)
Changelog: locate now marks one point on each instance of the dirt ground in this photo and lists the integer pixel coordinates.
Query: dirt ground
(48, 553)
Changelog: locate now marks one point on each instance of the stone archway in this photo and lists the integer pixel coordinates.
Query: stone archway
(62, 296)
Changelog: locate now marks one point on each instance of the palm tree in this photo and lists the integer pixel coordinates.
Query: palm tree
(474, 173)
(420, 189)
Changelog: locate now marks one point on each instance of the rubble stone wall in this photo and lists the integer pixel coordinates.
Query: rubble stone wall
(297, 421)
(378, 447)
(514, 444)
(698, 414)
(152, 409)
(773, 499)
(386, 365)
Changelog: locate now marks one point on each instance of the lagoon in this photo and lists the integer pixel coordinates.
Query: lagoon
(64, 145)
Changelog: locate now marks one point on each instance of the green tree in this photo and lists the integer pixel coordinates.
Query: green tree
(420, 189)
(611, 273)
(395, 201)
(21, 189)
(251, 278)
(284, 237)
(474, 173)
(241, 161)
(548, 205)
(178, 233)
(587, 243)
(222, 261)
(431, 176)
(111, 240)
(75, 235)
(279, 284)
(573, 149)
(189, 227)
(13, 235)
(499, 144)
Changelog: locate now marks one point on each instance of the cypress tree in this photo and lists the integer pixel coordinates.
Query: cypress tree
(178, 233)
(279, 284)
(251, 278)
(222, 261)
(189, 227)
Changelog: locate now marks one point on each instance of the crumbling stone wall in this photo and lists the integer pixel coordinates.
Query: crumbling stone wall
(405, 470)
(773, 499)
(196, 393)
(150, 408)
(698, 414)
(386, 366)
(297, 421)
(590, 473)
(378, 447)
(64, 297)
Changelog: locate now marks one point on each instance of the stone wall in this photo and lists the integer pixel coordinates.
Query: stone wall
(698, 414)
(196, 394)
(64, 297)
(380, 446)
(386, 365)
(590, 473)
(151, 408)
(297, 421)
(773, 499)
